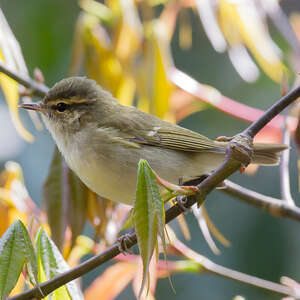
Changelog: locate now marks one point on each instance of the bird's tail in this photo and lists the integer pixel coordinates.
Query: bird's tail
(267, 154)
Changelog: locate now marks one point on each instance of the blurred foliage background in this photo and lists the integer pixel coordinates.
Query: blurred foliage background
(262, 245)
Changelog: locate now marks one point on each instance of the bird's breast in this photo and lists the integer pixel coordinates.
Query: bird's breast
(110, 168)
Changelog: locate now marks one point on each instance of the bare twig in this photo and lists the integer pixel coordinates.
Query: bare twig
(203, 264)
(275, 207)
(36, 88)
(282, 23)
(285, 185)
(273, 111)
(211, 267)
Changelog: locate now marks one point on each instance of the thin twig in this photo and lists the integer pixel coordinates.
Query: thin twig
(285, 185)
(206, 265)
(275, 207)
(216, 269)
(273, 111)
(36, 88)
(281, 21)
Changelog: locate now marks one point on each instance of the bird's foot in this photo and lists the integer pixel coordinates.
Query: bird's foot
(185, 190)
(181, 202)
(223, 138)
(122, 244)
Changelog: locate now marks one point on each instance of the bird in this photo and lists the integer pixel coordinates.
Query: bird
(102, 141)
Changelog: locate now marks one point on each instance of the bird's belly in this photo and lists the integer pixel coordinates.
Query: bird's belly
(113, 175)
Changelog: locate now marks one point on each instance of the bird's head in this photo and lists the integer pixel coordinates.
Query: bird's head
(71, 104)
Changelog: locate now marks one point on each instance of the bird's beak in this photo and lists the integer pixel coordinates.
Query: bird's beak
(38, 106)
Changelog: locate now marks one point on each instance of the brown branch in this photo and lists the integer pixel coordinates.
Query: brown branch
(273, 111)
(275, 207)
(238, 153)
(36, 88)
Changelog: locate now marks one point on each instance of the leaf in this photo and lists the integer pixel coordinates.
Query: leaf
(148, 215)
(65, 199)
(10, 90)
(205, 231)
(31, 260)
(97, 9)
(206, 10)
(136, 283)
(83, 245)
(51, 263)
(128, 32)
(241, 23)
(15, 250)
(101, 62)
(77, 204)
(153, 84)
(129, 222)
(55, 198)
(106, 287)
(126, 91)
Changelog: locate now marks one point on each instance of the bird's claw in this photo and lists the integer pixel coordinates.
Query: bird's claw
(185, 190)
(223, 138)
(122, 244)
(181, 202)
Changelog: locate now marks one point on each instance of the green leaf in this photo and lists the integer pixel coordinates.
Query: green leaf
(51, 263)
(55, 195)
(148, 215)
(77, 203)
(15, 250)
(65, 200)
(30, 256)
(129, 222)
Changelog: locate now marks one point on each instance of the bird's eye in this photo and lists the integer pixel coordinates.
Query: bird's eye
(61, 106)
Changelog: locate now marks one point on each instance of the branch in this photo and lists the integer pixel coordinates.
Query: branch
(272, 112)
(238, 154)
(36, 88)
(203, 264)
(285, 185)
(275, 207)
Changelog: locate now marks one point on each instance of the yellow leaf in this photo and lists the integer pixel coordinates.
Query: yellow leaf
(126, 91)
(18, 287)
(82, 247)
(242, 23)
(12, 193)
(101, 63)
(110, 284)
(10, 90)
(97, 9)
(128, 32)
(163, 87)
(152, 81)
(185, 30)
(214, 230)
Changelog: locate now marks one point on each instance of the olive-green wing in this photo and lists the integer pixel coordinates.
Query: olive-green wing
(136, 128)
(178, 138)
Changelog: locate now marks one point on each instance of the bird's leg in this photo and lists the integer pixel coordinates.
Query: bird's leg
(176, 189)
(228, 139)
(223, 138)
(181, 200)
(122, 243)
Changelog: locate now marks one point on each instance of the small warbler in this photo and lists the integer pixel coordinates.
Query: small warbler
(102, 141)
